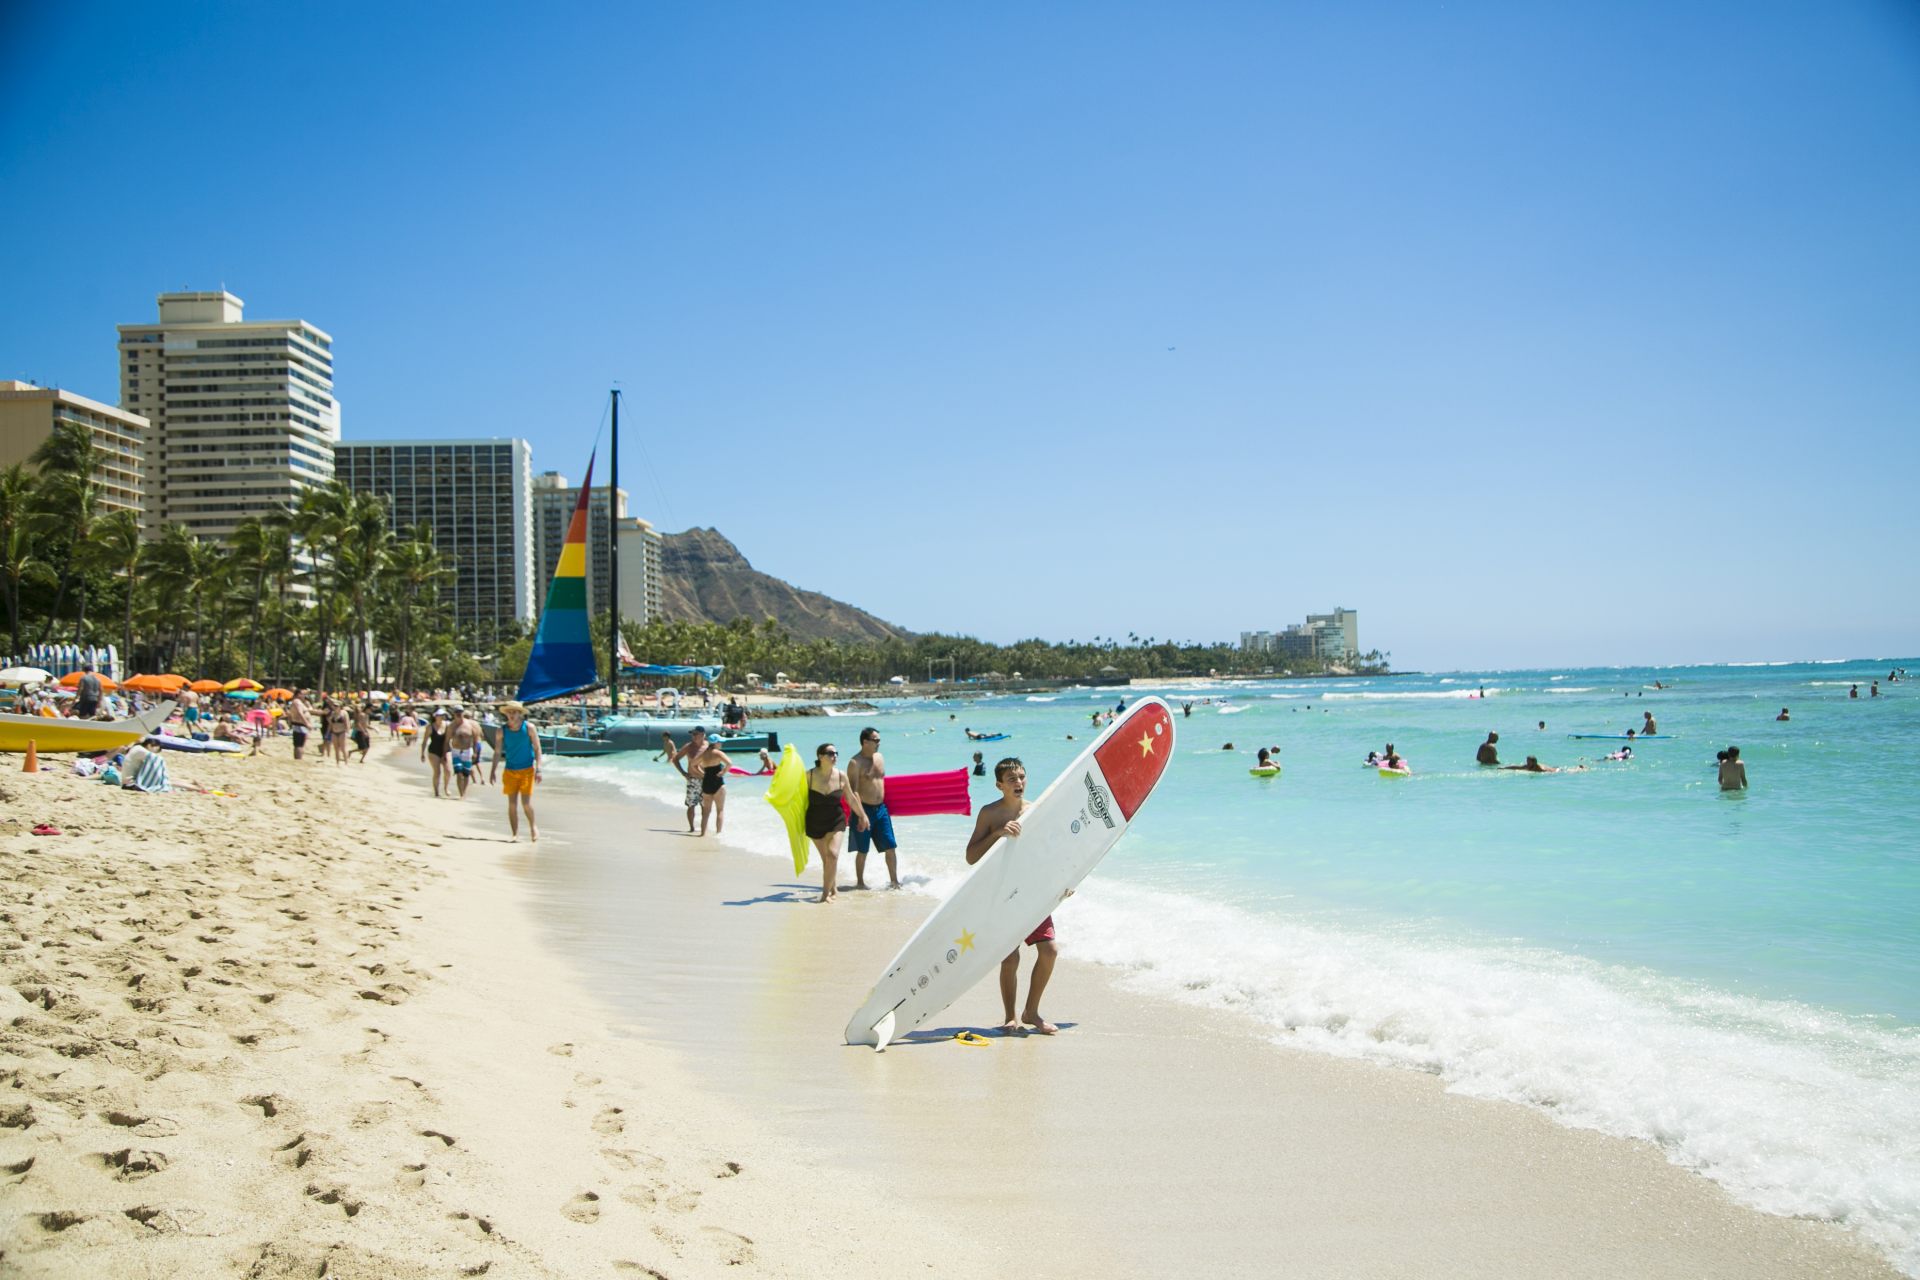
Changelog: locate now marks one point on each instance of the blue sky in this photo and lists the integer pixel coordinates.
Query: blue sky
(1537, 334)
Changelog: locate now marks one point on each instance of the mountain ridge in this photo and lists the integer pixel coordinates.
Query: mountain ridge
(705, 578)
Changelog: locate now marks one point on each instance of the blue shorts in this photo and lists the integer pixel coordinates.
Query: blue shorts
(879, 831)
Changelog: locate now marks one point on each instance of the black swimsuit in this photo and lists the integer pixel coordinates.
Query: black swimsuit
(824, 814)
(436, 744)
(712, 778)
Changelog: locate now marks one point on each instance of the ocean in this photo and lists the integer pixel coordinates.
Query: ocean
(1735, 977)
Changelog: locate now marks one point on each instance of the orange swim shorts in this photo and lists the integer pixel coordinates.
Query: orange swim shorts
(517, 782)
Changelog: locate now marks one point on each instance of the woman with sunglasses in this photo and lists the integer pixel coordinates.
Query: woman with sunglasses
(827, 790)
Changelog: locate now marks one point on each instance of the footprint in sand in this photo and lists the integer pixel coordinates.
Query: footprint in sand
(608, 1122)
(734, 1249)
(128, 1163)
(623, 1267)
(413, 1176)
(685, 1202)
(626, 1158)
(473, 1224)
(640, 1197)
(583, 1208)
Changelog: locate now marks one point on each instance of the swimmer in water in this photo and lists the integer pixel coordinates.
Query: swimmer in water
(1649, 727)
(1733, 774)
(1782, 715)
(1266, 762)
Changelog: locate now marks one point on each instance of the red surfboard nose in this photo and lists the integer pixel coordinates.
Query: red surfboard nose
(1136, 755)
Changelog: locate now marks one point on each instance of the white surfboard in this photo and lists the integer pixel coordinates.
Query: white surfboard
(1019, 881)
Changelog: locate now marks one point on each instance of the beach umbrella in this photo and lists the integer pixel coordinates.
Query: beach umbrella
(243, 683)
(25, 675)
(206, 686)
(279, 694)
(72, 681)
(242, 695)
(154, 684)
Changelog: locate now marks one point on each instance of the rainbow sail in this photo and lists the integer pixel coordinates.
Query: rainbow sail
(562, 657)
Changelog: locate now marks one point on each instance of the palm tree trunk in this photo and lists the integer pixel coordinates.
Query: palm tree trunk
(53, 615)
(126, 654)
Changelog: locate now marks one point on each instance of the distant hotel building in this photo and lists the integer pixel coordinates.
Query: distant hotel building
(1333, 637)
(640, 572)
(28, 415)
(242, 412)
(553, 503)
(477, 497)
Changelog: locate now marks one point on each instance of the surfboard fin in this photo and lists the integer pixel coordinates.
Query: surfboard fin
(883, 1033)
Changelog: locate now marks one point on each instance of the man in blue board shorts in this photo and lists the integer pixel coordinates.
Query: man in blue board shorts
(868, 774)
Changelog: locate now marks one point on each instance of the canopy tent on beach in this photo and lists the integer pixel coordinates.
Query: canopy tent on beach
(709, 673)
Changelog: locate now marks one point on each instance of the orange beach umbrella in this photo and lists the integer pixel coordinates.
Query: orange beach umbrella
(154, 684)
(71, 680)
(279, 695)
(206, 686)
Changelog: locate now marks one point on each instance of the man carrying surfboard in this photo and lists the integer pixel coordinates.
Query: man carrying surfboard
(867, 774)
(1002, 818)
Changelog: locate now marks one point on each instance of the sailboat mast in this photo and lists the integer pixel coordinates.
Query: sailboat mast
(613, 564)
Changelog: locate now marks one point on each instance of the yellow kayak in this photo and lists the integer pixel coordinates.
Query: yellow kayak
(83, 737)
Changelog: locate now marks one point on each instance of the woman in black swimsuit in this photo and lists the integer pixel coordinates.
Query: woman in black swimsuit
(433, 746)
(826, 787)
(710, 766)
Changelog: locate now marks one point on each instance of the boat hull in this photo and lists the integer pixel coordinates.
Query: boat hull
(612, 739)
(80, 736)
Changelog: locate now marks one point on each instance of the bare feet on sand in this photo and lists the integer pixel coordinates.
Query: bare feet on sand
(1010, 1027)
(1040, 1024)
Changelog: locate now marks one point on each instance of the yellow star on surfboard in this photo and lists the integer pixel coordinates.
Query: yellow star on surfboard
(964, 941)
(1146, 744)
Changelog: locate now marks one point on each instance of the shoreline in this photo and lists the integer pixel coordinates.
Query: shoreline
(1303, 1163)
(409, 1048)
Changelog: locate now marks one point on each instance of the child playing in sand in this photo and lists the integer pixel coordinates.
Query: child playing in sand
(1002, 818)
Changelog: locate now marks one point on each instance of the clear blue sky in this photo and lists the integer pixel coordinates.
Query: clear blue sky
(1539, 334)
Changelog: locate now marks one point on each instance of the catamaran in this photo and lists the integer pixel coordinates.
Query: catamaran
(561, 663)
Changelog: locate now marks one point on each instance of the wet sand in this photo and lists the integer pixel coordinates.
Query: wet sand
(330, 1025)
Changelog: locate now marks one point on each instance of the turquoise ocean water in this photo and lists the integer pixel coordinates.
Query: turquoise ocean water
(1733, 977)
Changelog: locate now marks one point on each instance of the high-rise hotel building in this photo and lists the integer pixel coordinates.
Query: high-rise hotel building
(477, 497)
(553, 503)
(242, 411)
(29, 414)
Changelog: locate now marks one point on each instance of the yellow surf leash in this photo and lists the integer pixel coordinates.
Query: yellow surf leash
(971, 1037)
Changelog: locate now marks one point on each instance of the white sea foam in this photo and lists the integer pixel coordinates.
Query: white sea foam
(1408, 694)
(1792, 1109)
(1582, 689)
(1033, 698)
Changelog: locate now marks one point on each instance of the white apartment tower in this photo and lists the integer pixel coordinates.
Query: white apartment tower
(242, 411)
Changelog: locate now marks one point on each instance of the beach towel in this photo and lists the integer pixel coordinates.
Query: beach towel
(915, 795)
(153, 774)
(787, 793)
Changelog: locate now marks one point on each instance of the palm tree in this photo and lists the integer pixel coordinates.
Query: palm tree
(186, 568)
(363, 552)
(67, 506)
(21, 561)
(320, 518)
(414, 575)
(116, 547)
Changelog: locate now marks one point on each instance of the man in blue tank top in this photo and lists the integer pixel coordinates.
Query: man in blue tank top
(520, 752)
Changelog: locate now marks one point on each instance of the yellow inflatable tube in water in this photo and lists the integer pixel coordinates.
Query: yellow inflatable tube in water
(787, 793)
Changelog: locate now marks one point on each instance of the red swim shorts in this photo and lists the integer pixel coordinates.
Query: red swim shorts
(1042, 934)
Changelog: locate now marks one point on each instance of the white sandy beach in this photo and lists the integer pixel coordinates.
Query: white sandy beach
(331, 1025)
